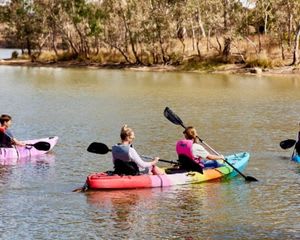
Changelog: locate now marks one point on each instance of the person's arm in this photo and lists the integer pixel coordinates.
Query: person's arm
(14, 140)
(134, 156)
(215, 157)
(17, 142)
(199, 151)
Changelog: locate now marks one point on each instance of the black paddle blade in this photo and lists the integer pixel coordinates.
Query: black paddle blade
(42, 146)
(99, 148)
(297, 147)
(172, 117)
(287, 143)
(251, 179)
(84, 188)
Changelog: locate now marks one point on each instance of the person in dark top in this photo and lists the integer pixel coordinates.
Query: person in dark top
(6, 137)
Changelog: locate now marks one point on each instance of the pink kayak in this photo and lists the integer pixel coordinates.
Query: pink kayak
(33, 148)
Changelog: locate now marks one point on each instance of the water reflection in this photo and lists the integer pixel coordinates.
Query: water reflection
(6, 52)
(48, 159)
(124, 210)
(232, 113)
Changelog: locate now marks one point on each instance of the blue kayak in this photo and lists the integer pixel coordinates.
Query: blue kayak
(296, 157)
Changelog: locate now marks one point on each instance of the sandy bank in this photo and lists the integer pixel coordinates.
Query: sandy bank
(224, 69)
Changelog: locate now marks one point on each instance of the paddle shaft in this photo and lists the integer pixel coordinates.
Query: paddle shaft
(224, 159)
(102, 148)
(161, 160)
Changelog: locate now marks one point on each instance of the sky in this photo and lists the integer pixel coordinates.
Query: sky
(248, 3)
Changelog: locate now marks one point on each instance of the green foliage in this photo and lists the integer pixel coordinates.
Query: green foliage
(145, 31)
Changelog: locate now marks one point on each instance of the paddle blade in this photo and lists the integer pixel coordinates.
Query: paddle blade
(251, 179)
(84, 188)
(172, 117)
(297, 147)
(42, 146)
(287, 143)
(99, 148)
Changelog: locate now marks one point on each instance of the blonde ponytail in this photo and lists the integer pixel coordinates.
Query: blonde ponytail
(125, 132)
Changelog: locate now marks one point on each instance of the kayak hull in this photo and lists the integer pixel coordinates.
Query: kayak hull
(296, 158)
(103, 181)
(18, 152)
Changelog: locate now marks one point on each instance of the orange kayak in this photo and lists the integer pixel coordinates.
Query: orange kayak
(105, 181)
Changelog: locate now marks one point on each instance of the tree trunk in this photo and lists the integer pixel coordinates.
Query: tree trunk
(296, 47)
(225, 14)
(198, 48)
(193, 35)
(259, 43)
(28, 45)
(200, 23)
(265, 23)
(208, 41)
(54, 43)
(227, 49)
(282, 46)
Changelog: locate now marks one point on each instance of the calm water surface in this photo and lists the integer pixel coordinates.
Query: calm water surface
(232, 113)
(6, 52)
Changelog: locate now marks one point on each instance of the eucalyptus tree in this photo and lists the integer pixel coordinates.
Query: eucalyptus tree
(25, 25)
(294, 16)
(79, 22)
(280, 19)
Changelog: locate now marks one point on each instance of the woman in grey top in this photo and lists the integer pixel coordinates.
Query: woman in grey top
(124, 152)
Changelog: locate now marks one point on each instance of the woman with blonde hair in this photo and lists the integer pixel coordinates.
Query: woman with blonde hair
(127, 161)
(192, 150)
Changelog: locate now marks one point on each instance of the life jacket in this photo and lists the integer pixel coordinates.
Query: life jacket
(5, 139)
(186, 159)
(122, 163)
(185, 147)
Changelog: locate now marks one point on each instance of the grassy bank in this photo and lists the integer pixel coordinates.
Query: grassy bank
(244, 58)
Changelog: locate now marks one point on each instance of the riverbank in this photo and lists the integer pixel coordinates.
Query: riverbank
(218, 68)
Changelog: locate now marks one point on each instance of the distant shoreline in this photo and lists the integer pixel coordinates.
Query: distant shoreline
(222, 69)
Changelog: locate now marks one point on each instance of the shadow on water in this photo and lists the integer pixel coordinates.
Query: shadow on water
(284, 158)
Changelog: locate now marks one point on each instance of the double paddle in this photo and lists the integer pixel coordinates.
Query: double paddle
(172, 117)
(42, 146)
(288, 143)
(101, 148)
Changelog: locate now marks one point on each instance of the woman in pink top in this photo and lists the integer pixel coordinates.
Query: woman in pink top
(199, 152)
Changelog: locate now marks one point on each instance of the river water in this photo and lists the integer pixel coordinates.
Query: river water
(233, 113)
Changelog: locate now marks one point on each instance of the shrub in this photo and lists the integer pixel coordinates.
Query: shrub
(66, 56)
(14, 55)
(260, 60)
(47, 57)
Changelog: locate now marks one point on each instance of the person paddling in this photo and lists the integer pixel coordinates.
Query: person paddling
(127, 161)
(190, 152)
(6, 137)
